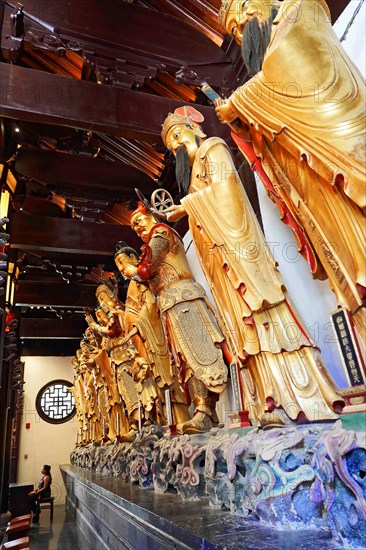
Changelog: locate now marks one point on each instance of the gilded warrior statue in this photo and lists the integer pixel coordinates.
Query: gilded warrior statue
(144, 328)
(109, 399)
(193, 337)
(78, 391)
(96, 389)
(93, 405)
(303, 132)
(116, 349)
(281, 369)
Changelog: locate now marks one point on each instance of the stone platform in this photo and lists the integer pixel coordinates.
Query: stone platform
(247, 485)
(114, 515)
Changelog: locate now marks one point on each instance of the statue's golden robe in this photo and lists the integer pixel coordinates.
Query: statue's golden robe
(114, 399)
(305, 111)
(141, 312)
(261, 326)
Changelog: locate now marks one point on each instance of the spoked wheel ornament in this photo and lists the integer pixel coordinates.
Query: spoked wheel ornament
(161, 199)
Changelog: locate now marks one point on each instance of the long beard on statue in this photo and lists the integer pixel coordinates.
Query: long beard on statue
(182, 170)
(255, 41)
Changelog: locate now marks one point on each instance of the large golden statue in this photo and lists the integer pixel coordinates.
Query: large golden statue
(144, 328)
(194, 339)
(303, 132)
(281, 367)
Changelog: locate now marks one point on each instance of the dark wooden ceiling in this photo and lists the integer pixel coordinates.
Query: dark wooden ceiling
(84, 88)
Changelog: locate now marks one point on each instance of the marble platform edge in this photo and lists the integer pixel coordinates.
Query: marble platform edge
(85, 527)
(159, 530)
(216, 529)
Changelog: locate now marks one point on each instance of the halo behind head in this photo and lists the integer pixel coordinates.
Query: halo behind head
(183, 115)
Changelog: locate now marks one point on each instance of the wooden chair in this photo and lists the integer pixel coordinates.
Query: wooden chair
(47, 504)
(18, 544)
(17, 530)
(26, 517)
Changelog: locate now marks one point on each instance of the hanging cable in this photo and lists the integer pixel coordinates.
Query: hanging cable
(344, 36)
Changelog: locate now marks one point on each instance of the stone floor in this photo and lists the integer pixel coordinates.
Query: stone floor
(62, 534)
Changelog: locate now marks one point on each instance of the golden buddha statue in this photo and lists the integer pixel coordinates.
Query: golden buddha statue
(303, 132)
(192, 334)
(145, 330)
(280, 367)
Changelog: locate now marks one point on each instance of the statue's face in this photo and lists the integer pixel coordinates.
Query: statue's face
(142, 225)
(233, 23)
(84, 348)
(102, 318)
(144, 370)
(132, 353)
(90, 335)
(261, 9)
(123, 260)
(241, 12)
(182, 135)
(105, 298)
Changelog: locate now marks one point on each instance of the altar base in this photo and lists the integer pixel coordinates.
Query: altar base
(295, 478)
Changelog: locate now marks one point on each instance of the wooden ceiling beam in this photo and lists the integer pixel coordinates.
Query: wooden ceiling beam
(67, 328)
(28, 293)
(68, 236)
(36, 96)
(126, 27)
(49, 348)
(62, 171)
(336, 8)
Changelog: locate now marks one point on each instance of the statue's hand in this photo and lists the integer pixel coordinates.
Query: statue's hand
(89, 319)
(175, 212)
(224, 112)
(94, 326)
(130, 271)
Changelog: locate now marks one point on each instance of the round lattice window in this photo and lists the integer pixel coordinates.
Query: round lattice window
(55, 402)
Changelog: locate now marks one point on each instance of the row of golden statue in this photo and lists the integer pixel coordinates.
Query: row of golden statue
(144, 361)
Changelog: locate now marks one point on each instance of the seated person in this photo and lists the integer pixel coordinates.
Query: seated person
(43, 491)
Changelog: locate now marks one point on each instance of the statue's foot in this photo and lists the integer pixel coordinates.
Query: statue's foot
(200, 423)
(277, 417)
(129, 436)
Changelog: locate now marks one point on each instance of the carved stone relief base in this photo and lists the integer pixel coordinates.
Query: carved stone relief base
(294, 477)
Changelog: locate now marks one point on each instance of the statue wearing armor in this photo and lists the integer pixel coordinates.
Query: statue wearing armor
(116, 349)
(303, 132)
(105, 381)
(144, 328)
(194, 339)
(78, 391)
(281, 367)
(93, 402)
